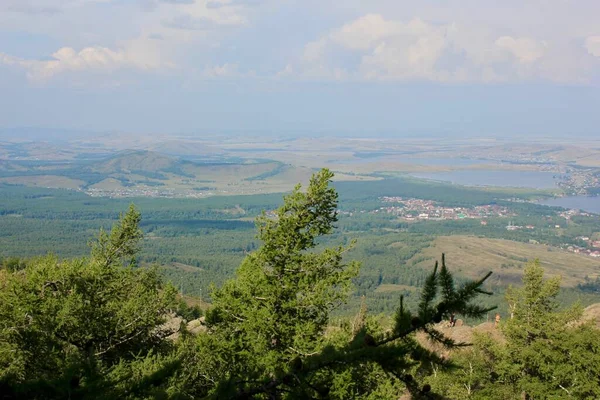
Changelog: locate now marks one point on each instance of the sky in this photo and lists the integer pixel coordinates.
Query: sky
(390, 67)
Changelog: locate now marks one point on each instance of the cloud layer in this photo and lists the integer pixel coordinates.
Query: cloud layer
(95, 59)
(373, 47)
(468, 41)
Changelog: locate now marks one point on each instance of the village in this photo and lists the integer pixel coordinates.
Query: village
(591, 248)
(580, 181)
(411, 209)
(146, 192)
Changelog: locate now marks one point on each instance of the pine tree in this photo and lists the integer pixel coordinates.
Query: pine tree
(541, 352)
(550, 353)
(267, 328)
(81, 327)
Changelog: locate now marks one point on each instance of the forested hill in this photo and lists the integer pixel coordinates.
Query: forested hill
(134, 173)
(137, 160)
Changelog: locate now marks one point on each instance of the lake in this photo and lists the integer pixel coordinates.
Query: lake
(368, 158)
(453, 162)
(585, 203)
(528, 179)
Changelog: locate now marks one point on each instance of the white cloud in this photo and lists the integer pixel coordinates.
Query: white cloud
(313, 51)
(202, 11)
(387, 49)
(287, 71)
(102, 59)
(526, 50)
(456, 40)
(362, 33)
(592, 44)
(373, 47)
(403, 59)
(221, 71)
(43, 7)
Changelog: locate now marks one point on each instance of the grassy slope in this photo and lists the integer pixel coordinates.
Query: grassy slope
(472, 256)
(143, 170)
(47, 181)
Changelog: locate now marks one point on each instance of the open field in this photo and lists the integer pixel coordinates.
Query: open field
(387, 287)
(46, 181)
(473, 256)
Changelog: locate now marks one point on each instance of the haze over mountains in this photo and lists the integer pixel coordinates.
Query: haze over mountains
(137, 170)
(204, 165)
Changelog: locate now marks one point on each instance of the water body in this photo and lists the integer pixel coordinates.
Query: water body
(585, 203)
(446, 161)
(368, 158)
(528, 179)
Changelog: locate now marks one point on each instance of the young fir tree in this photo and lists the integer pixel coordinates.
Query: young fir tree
(542, 352)
(266, 333)
(83, 328)
(549, 353)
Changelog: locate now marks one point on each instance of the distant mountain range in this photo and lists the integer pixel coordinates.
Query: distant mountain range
(149, 173)
(129, 161)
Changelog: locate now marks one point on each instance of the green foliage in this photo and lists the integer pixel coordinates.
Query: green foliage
(471, 374)
(199, 241)
(590, 285)
(541, 351)
(284, 292)
(354, 194)
(13, 264)
(66, 326)
(94, 327)
(548, 352)
(268, 328)
(188, 312)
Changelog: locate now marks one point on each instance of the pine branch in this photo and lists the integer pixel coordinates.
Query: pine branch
(446, 282)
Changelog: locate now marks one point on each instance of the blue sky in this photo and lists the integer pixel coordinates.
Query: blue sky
(475, 67)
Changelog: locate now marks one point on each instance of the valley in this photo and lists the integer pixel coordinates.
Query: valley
(200, 196)
(401, 225)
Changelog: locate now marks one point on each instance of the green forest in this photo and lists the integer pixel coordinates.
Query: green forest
(192, 299)
(197, 242)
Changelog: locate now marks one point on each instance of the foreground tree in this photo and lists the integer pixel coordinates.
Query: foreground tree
(267, 330)
(550, 353)
(73, 328)
(92, 327)
(542, 352)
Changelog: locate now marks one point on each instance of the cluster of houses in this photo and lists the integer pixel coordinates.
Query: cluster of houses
(145, 192)
(573, 213)
(411, 209)
(591, 249)
(580, 181)
(513, 227)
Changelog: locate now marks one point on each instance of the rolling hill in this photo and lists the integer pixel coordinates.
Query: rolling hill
(130, 161)
(148, 173)
(475, 256)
